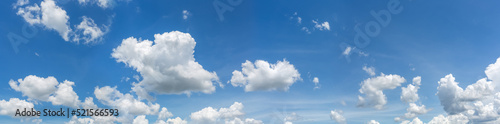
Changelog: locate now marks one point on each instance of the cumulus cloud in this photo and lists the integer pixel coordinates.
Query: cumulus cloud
(91, 33)
(414, 121)
(337, 116)
(373, 90)
(141, 119)
(176, 120)
(47, 89)
(413, 110)
(53, 17)
(230, 115)
(373, 122)
(264, 76)
(10, 107)
(321, 26)
(454, 99)
(409, 94)
(126, 103)
(316, 82)
(478, 102)
(368, 70)
(451, 119)
(167, 64)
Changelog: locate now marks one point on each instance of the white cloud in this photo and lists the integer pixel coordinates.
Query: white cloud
(10, 107)
(373, 122)
(164, 114)
(44, 89)
(299, 20)
(368, 70)
(65, 95)
(454, 99)
(177, 120)
(125, 103)
(347, 51)
(141, 119)
(185, 14)
(306, 30)
(20, 3)
(101, 3)
(493, 73)
(230, 115)
(414, 110)
(337, 116)
(451, 119)
(316, 82)
(321, 26)
(53, 17)
(409, 94)
(414, 121)
(91, 33)
(265, 76)
(373, 90)
(167, 64)
(34, 87)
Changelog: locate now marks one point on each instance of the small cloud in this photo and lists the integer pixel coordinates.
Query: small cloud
(306, 30)
(185, 14)
(316, 83)
(321, 26)
(369, 70)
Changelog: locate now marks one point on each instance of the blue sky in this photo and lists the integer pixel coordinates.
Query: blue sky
(299, 39)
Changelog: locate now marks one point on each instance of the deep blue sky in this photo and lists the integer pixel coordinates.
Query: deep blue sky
(435, 38)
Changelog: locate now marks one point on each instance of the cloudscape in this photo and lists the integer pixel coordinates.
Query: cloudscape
(249, 62)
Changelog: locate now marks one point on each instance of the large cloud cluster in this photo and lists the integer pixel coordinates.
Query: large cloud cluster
(167, 64)
(373, 90)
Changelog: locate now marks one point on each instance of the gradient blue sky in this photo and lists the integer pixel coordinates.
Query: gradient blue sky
(428, 38)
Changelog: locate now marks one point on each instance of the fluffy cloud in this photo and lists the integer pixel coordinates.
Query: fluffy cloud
(373, 90)
(141, 119)
(409, 93)
(91, 33)
(373, 122)
(164, 114)
(47, 89)
(451, 119)
(167, 64)
(321, 26)
(230, 115)
(413, 110)
(337, 116)
(10, 107)
(478, 102)
(414, 121)
(48, 14)
(172, 121)
(65, 95)
(34, 87)
(316, 82)
(454, 99)
(126, 103)
(368, 70)
(53, 17)
(264, 76)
